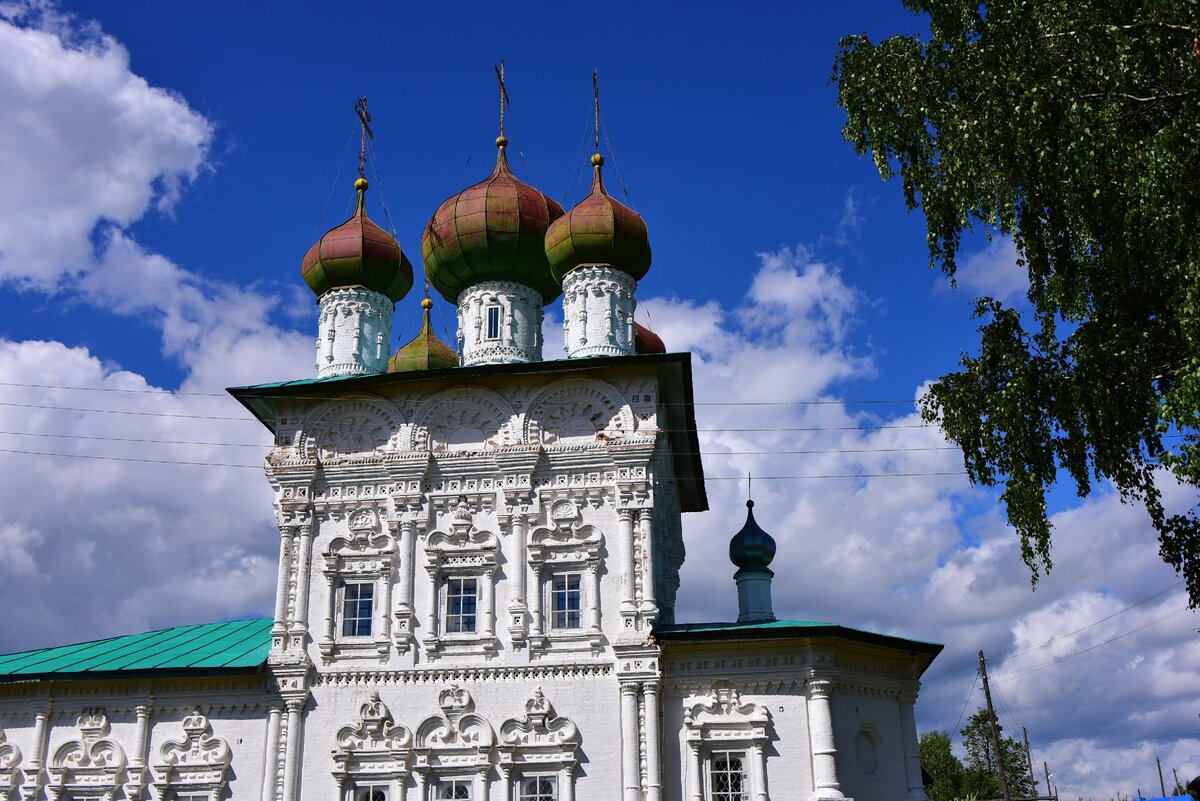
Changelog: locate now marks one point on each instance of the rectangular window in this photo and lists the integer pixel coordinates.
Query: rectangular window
(454, 789)
(358, 605)
(538, 788)
(727, 777)
(370, 792)
(177, 796)
(493, 322)
(565, 599)
(462, 598)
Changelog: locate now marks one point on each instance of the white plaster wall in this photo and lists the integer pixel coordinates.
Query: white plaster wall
(850, 712)
(354, 332)
(520, 332)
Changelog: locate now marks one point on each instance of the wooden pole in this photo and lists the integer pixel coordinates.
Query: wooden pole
(1029, 759)
(1161, 784)
(1046, 768)
(987, 694)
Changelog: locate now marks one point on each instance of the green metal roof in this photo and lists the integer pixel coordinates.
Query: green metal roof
(236, 646)
(784, 629)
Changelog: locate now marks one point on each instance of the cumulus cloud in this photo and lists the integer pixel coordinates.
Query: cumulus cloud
(992, 271)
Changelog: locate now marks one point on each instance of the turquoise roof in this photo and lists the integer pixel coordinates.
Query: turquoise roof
(777, 629)
(232, 646)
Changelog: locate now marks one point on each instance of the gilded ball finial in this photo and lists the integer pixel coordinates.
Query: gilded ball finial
(361, 184)
(426, 304)
(597, 160)
(501, 141)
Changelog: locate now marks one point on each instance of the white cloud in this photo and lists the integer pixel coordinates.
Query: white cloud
(84, 140)
(992, 271)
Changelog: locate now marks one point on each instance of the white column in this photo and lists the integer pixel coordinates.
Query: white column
(142, 734)
(281, 585)
(566, 784)
(649, 597)
(407, 538)
(386, 604)
(535, 601)
(820, 732)
(630, 763)
(330, 606)
(593, 597)
(271, 754)
(37, 760)
(421, 779)
(432, 617)
(758, 773)
(653, 743)
(693, 771)
(303, 571)
(479, 782)
(519, 567)
(291, 761)
(626, 551)
(488, 602)
(912, 754)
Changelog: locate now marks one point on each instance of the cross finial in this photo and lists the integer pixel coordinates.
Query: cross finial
(749, 481)
(596, 96)
(364, 118)
(503, 94)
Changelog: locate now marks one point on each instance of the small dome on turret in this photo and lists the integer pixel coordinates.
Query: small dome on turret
(646, 341)
(492, 231)
(599, 231)
(358, 253)
(751, 548)
(425, 351)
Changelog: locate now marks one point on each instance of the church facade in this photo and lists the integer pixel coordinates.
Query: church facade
(479, 554)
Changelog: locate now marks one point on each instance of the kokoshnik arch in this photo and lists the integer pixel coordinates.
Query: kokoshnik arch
(479, 554)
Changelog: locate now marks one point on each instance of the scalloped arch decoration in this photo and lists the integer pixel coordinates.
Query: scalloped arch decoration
(461, 419)
(576, 411)
(354, 427)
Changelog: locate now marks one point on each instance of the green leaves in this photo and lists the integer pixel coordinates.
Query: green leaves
(1074, 128)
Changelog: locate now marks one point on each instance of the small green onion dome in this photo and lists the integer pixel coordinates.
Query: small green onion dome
(492, 231)
(358, 253)
(751, 548)
(425, 352)
(599, 231)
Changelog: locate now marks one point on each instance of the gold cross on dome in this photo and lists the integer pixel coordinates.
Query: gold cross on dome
(504, 101)
(364, 118)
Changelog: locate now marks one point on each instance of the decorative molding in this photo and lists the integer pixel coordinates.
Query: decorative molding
(10, 759)
(578, 411)
(354, 331)
(90, 766)
(539, 740)
(463, 418)
(519, 334)
(456, 741)
(463, 551)
(517, 674)
(196, 763)
(354, 427)
(598, 306)
(373, 748)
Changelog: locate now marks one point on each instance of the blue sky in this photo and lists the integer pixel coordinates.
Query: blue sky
(167, 166)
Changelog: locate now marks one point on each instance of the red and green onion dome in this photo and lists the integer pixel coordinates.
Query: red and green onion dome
(425, 351)
(599, 231)
(492, 231)
(358, 253)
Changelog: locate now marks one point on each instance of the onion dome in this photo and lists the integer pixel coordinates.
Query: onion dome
(646, 341)
(492, 231)
(425, 352)
(751, 548)
(358, 253)
(599, 231)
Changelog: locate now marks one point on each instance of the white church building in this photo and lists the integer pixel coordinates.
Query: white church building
(479, 554)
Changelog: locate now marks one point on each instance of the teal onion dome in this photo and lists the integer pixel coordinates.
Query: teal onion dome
(358, 253)
(751, 548)
(599, 231)
(492, 231)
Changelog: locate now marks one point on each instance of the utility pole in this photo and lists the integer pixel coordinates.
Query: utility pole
(1175, 773)
(1161, 784)
(987, 694)
(1029, 759)
(1046, 768)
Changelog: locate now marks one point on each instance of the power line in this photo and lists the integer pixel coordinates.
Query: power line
(969, 696)
(125, 411)
(129, 459)
(137, 439)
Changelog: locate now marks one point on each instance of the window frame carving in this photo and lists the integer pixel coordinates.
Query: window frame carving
(90, 766)
(10, 761)
(457, 744)
(720, 722)
(366, 554)
(565, 546)
(539, 744)
(372, 750)
(195, 764)
(464, 551)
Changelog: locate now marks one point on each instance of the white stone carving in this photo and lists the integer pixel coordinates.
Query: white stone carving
(462, 552)
(578, 411)
(518, 332)
(355, 427)
(372, 749)
(541, 742)
(720, 720)
(196, 763)
(10, 759)
(462, 419)
(354, 332)
(89, 767)
(598, 305)
(367, 554)
(457, 742)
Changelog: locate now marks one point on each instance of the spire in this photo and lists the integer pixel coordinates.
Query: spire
(752, 550)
